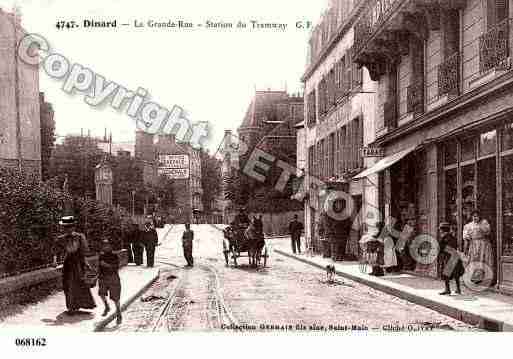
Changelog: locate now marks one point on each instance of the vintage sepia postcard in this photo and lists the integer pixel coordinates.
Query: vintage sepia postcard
(335, 168)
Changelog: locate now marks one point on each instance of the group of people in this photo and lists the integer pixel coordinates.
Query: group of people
(381, 249)
(140, 240)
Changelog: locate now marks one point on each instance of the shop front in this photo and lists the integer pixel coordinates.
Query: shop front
(407, 201)
(444, 180)
(477, 173)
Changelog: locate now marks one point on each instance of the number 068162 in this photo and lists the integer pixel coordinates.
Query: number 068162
(30, 342)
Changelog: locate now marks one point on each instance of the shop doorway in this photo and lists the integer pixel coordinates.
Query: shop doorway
(487, 199)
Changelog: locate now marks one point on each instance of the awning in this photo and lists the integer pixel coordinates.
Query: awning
(384, 163)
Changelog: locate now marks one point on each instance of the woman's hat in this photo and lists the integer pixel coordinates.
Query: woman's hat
(67, 221)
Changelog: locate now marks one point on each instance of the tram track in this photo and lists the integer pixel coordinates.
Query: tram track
(212, 311)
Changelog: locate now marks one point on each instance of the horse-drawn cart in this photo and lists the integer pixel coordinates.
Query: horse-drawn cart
(241, 242)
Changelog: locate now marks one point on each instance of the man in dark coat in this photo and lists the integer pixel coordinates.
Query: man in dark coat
(295, 230)
(137, 244)
(242, 218)
(150, 240)
(451, 263)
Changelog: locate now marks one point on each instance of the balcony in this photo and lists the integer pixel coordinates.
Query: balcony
(448, 75)
(493, 47)
(385, 29)
(415, 97)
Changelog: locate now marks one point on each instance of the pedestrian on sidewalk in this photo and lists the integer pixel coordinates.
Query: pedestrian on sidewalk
(476, 236)
(372, 245)
(137, 244)
(77, 292)
(295, 230)
(450, 260)
(389, 253)
(187, 238)
(108, 279)
(150, 240)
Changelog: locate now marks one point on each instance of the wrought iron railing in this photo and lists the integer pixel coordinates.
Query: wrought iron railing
(390, 114)
(448, 75)
(493, 47)
(415, 97)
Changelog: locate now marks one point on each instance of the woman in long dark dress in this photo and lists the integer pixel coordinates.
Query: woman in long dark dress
(77, 292)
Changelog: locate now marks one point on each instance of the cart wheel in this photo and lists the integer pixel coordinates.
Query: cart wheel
(266, 254)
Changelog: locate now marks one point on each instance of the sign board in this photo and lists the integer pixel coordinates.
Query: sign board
(174, 166)
(370, 151)
(174, 161)
(174, 173)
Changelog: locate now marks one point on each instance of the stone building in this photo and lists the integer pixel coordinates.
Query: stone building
(20, 137)
(339, 123)
(444, 116)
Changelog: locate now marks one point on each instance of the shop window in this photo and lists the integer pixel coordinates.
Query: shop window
(468, 149)
(451, 196)
(507, 205)
(468, 191)
(507, 137)
(488, 143)
(450, 153)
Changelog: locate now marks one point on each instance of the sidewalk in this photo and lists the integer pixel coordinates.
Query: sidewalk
(487, 310)
(50, 313)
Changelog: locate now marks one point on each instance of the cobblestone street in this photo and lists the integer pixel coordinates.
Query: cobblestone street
(287, 295)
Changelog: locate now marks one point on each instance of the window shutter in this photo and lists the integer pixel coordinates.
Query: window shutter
(348, 70)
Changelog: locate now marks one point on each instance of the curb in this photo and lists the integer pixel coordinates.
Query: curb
(465, 316)
(98, 326)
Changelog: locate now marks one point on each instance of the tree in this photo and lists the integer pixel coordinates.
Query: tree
(76, 158)
(211, 180)
(47, 143)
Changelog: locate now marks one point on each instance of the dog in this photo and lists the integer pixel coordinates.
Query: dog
(330, 273)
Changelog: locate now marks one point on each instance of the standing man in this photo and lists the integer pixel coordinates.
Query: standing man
(187, 238)
(150, 240)
(137, 244)
(295, 230)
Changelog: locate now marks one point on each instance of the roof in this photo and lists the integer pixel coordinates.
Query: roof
(261, 107)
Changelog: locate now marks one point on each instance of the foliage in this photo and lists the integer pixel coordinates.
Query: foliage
(76, 157)
(211, 180)
(47, 144)
(30, 212)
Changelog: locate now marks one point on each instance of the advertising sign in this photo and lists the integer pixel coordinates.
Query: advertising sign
(174, 161)
(174, 173)
(174, 166)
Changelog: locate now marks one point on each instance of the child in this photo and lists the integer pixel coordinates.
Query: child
(108, 279)
(187, 238)
(452, 265)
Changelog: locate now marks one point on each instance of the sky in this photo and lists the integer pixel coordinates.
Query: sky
(212, 73)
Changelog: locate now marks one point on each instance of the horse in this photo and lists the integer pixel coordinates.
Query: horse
(255, 238)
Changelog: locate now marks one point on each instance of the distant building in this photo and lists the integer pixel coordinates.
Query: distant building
(269, 126)
(162, 155)
(20, 134)
(269, 122)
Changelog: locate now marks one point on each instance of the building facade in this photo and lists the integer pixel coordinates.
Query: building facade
(444, 116)
(269, 126)
(339, 122)
(20, 137)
